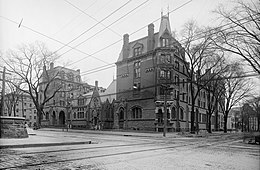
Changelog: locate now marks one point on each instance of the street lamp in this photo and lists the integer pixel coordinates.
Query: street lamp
(166, 88)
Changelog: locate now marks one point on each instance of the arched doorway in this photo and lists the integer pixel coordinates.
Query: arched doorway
(61, 118)
(53, 118)
(121, 118)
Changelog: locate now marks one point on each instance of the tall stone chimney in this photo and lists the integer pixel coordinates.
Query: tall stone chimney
(150, 39)
(96, 83)
(126, 46)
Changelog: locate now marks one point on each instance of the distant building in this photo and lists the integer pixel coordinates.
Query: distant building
(20, 105)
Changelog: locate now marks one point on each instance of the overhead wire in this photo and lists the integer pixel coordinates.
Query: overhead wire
(92, 17)
(73, 19)
(192, 40)
(84, 32)
(106, 27)
(131, 33)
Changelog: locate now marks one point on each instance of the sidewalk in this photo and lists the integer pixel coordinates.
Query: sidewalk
(42, 139)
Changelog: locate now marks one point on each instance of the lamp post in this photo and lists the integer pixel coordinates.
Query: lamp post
(166, 88)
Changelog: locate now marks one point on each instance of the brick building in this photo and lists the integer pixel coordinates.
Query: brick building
(144, 67)
(20, 105)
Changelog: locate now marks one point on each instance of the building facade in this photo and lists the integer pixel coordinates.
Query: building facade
(76, 103)
(20, 105)
(146, 68)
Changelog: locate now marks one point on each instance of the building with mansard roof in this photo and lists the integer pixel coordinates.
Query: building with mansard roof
(144, 67)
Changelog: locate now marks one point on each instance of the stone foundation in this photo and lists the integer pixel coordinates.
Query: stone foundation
(13, 127)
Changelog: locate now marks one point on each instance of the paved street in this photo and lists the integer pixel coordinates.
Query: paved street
(129, 150)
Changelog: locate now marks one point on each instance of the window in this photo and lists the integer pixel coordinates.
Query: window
(62, 75)
(199, 117)
(80, 113)
(137, 51)
(77, 78)
(137, 69)
(70, 77)
(165, 42)
(74, 115)
(181, 114)
(165, 74)
(177, 80)
(173, 113)
(177, 65)
(47, 116)
(204, 120)
(34, 117)
(165, 58)
(80, 102)
(137, 73)
(136, 113)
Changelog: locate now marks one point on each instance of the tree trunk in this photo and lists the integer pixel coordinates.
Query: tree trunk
(192, 120)
(216, 121)
(209, 123)
(197, 120)
(225, 122)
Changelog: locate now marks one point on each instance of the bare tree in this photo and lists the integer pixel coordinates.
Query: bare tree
(13, 96)
(29, 64)
(200, 51)
(255, 103)
(214, 88)
(241, 33)
(236, 87)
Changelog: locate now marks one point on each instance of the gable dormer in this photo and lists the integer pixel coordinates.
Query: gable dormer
(137, 49)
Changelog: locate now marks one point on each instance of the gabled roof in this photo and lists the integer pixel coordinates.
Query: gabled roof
(110, 93)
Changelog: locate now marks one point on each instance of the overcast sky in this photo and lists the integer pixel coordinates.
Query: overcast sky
(60, 21)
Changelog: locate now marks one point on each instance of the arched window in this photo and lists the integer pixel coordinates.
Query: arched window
(121, 114)
(47, 116)
(77, 78)
(173, 113)
(136, 113)
(181, 114)
(70, 77)
(165, 42)
(62, 75)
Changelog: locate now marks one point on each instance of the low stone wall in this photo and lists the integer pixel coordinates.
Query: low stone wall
(13, 127)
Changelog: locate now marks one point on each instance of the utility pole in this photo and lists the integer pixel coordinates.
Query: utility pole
(3, 93)
(178, 111)
(165, 112)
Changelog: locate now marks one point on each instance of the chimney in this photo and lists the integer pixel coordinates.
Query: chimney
(150, 39)
(126, 46)
(96, 83)
(78, 70)
(51, 65)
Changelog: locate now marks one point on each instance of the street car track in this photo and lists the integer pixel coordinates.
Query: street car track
(195, 145)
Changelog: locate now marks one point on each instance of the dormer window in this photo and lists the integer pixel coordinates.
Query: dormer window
(165, 42)
(137, 51)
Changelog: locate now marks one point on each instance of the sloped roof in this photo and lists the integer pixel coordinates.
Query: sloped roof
(110, 92)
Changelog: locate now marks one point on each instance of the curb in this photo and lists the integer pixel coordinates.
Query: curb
(43, 144)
